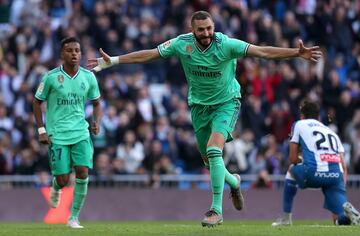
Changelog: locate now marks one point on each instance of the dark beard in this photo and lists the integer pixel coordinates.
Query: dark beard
(198, 40)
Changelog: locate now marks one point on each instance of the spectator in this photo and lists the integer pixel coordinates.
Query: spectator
(237, 151)
(131, 152)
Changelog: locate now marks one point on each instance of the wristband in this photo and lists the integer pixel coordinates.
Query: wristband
(114, 60)
(41, 130)
(102, 64)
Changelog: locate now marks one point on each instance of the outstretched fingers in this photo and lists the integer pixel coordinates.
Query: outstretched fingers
(301, 44)
(92, 60)
(92, 63)
(316, 54)
(104, 55)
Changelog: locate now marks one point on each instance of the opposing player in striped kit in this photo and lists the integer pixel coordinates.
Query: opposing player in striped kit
(321, 166)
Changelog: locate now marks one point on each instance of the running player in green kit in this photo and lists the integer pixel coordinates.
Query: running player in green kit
(66, 90)
(209, 62)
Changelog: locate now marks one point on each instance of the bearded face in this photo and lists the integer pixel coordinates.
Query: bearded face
(203, 31)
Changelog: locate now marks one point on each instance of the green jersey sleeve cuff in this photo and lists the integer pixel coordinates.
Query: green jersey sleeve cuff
(97, 97)
(39, 98)
(159, 50)
(246, 49)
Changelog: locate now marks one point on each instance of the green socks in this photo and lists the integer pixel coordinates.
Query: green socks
(55, 185)
(231, 180)
(80, 192)
(217, 177)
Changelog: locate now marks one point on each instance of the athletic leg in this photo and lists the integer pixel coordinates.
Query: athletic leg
(59, 160)
(230, 179)
(80, 193)
(82, 153)
(223, 122)
(217, 179)
(290, 190)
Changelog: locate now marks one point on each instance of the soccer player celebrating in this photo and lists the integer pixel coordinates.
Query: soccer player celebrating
(66, 89)
(209, 62)
(322, 166)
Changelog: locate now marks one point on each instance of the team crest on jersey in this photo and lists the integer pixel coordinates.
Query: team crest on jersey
(189, 49)
(83, 87)
(60, 79)
(167, 44)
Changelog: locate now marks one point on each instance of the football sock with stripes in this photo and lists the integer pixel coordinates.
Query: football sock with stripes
(80, 192)
(217, 176)
(230, 179)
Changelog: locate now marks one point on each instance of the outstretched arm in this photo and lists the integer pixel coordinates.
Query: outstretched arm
(105, 61)
(312, 53)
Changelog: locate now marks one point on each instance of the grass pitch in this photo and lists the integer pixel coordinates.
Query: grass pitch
(188, 228)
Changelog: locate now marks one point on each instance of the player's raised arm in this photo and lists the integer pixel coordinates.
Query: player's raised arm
(105, 61)
(311, 53)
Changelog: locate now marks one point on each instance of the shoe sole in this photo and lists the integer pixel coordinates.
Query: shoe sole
(279, 225)
(75, 227)
(204, 224)
(241, 196)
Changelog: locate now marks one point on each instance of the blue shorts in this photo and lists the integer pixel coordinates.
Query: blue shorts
(331, 184)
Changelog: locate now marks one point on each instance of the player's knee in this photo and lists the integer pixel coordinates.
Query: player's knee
(62, 180)
(205, 160)
(81, 172)
(216, 139)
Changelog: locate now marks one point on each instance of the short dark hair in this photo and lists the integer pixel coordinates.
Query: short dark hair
(200, 15)
(310, 109)
(69, 40)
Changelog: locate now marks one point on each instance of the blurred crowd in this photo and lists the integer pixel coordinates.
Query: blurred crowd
(146, 125)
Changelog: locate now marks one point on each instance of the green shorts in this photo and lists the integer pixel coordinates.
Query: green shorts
(214, 118)
(63, 157)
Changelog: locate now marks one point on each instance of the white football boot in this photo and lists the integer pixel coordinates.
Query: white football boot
(285, 220)
(54, 200)
(351, 213)
(74, 223)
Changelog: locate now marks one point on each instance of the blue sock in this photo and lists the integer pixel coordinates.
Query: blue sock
(290, 190)
(343, 220)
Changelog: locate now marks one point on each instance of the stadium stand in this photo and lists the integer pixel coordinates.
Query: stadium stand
(146, 128)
